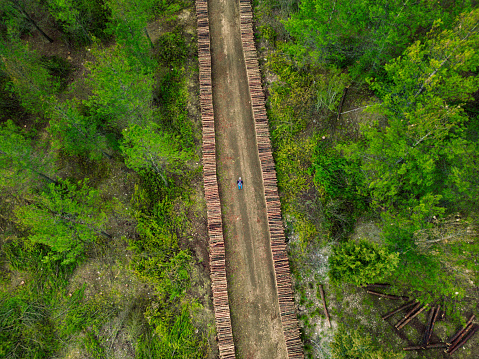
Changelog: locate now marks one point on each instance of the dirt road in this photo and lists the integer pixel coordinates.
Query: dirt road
(254, 306)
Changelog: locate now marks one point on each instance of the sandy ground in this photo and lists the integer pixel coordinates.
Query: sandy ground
(254, 306)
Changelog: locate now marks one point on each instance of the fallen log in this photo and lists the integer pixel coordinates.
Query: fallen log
(431, 329)
(321, 290)
(412, 317)
(389, 296)
(397, 310)
(451, 350)
(463, 333)
(455, 336)
(429, 346)
(430, 325)
(408, 314)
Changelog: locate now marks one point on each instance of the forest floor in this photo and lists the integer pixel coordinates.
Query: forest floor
(257, 329)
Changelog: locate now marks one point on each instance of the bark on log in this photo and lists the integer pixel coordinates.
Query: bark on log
(321, 291)
(451, 349)
(389, 296)
(397, 310)
(455, 336)
(412, 317)
(430, 324)
(411, 312)
(429, 346)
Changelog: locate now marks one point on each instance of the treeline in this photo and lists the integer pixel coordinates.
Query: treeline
(401, 153)
(72, 138)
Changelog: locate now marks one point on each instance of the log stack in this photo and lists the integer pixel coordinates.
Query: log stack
(215, 227)
(273, 207)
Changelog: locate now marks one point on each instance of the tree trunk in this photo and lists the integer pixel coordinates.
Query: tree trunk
(30, 20)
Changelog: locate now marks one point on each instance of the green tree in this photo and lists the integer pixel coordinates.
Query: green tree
(128, 23)
(80, 19)
(29, 80)
(148, 148)
(75, 133)
(121, 88)
(68, 14)
(66, 217)
(361, 263)
(19, 159)
(18, 16)
(412, 155)
(355, 344)
(362, 34)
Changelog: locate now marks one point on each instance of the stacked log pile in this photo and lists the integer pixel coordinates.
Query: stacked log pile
(215, 227)
(278, 246)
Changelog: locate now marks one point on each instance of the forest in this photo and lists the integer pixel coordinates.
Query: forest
(102, 220)
(373, 110)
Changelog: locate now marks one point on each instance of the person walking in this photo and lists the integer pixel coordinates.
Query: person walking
(240, 183)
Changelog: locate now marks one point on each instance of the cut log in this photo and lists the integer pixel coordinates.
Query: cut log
(430, 324)
(397, 310)
(321, 290)
(460, 336)
(429, 346)
(412, 317)
(431, 329)
(389, 296)
(463, 341)
(455, 336)
(408, 314)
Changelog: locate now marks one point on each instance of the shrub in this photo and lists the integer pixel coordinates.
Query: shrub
(361, 263)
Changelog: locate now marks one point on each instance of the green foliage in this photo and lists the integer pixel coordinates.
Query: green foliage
(29, 79)
(361, 263)
(17, 20)
(149, 149)
(293, 160)
(341, 184)
(361, 34)
(291, 98)
(354, 344)
(121, 88)
(443, 250)
(79, 19)
(329, 89)
(66, 218)
(175, 334)
(411, 159)
(128, 23)
(59, 68)
(171, 97)
(173, 48)
(337, 176)
(160, 259)
(24, 328)
(75, 133)
(20, 161)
